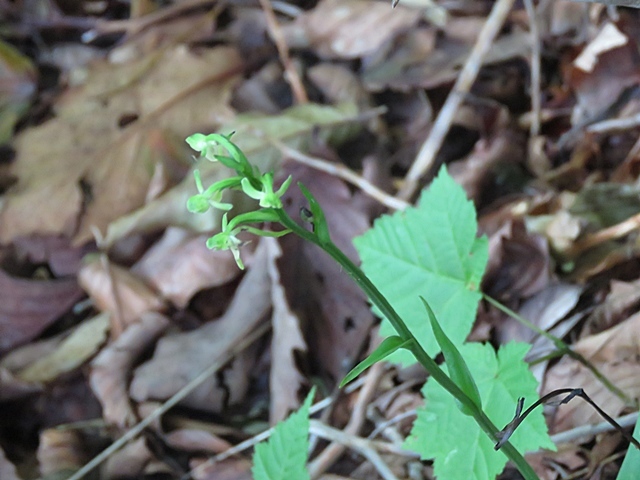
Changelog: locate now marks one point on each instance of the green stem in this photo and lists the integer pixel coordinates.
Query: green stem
(563, 349)
(403, 331)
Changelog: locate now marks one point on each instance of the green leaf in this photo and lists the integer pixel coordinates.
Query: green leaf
(631, 464)
(456, 442)
(386, 348)
(456, 366)
(320, 226)
(284, 455)
(430, 250)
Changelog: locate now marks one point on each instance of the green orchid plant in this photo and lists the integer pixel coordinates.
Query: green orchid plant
(260, 186)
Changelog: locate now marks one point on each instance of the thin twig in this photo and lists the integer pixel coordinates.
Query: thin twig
(427, 155)
(342, 172)
(615, 125)
(568, 436)
(173, 401)
(358, 416)
(290, 73)
(535, 67)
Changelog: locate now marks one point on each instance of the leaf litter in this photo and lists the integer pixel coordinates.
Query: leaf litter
(94, 161)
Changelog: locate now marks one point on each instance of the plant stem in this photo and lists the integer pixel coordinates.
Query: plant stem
(403, 331)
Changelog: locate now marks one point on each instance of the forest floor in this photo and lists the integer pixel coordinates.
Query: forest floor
(111, 303)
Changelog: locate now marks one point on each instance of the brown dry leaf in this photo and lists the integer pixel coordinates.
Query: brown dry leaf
(349, 28)
(180, 264)
(192, 440)
(622, 299)
(130, 461)
(335, 309)
(417, 63)
(111, 369)
(285, 379)
(607, 66)
(230, 469)
(81, 344)
(57, 252)
(27, 306)
(116, 290)
(94, 161)
(476, 172)
(545, 462)
(60, 452)
(181, 357)
(519, 262)
(615, 354)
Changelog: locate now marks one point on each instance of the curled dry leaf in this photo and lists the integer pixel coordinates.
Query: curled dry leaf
(284, 378)
(116, 290)
(27, 306)
(349, 29)
(192, 440)
(599, 77)
(180, 357)
(519, 262)
(180, 264)
(111, 369)
(130, 461)
(60, 452)
(81, 344)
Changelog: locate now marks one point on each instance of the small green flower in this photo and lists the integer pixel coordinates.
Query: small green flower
(212, 196)
(267, 197)
(227, 240)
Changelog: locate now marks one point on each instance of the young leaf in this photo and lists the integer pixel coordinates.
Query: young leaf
(456, 442)
(456, 366)
(431, 250)
(631, 464)
(285, 454)
(386, 348)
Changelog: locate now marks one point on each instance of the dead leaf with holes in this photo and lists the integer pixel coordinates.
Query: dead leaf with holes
(335, 309)
(95, 160)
